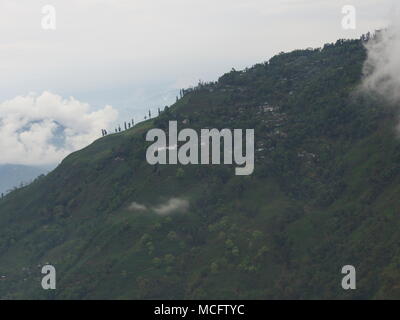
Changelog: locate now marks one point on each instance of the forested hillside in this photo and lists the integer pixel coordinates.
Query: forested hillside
(324, 194)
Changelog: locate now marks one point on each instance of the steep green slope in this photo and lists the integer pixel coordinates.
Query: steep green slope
(324, 194)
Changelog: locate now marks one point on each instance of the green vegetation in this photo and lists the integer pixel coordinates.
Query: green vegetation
(324, 194)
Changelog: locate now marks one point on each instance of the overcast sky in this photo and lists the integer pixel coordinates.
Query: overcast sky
(117, 58)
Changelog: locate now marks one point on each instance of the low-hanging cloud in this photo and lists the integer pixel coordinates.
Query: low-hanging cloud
(382, 67)
(134, 206)
(171, 206)
(43, 129)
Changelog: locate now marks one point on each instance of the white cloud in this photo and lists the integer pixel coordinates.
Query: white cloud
(134, 206)
(173, 205)
(43, 129)
(168, 207)
(382, 67)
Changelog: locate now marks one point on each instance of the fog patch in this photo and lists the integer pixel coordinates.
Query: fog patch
(134, 206)
(171, 206)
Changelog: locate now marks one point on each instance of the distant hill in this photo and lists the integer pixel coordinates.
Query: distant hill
(324, 194)
(12, 175)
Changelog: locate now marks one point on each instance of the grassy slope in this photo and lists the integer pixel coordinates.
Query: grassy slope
(284, 232)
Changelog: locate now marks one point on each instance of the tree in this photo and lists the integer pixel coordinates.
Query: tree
(180, 173)
(172, 235)
(214, 267)
(169, 259)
